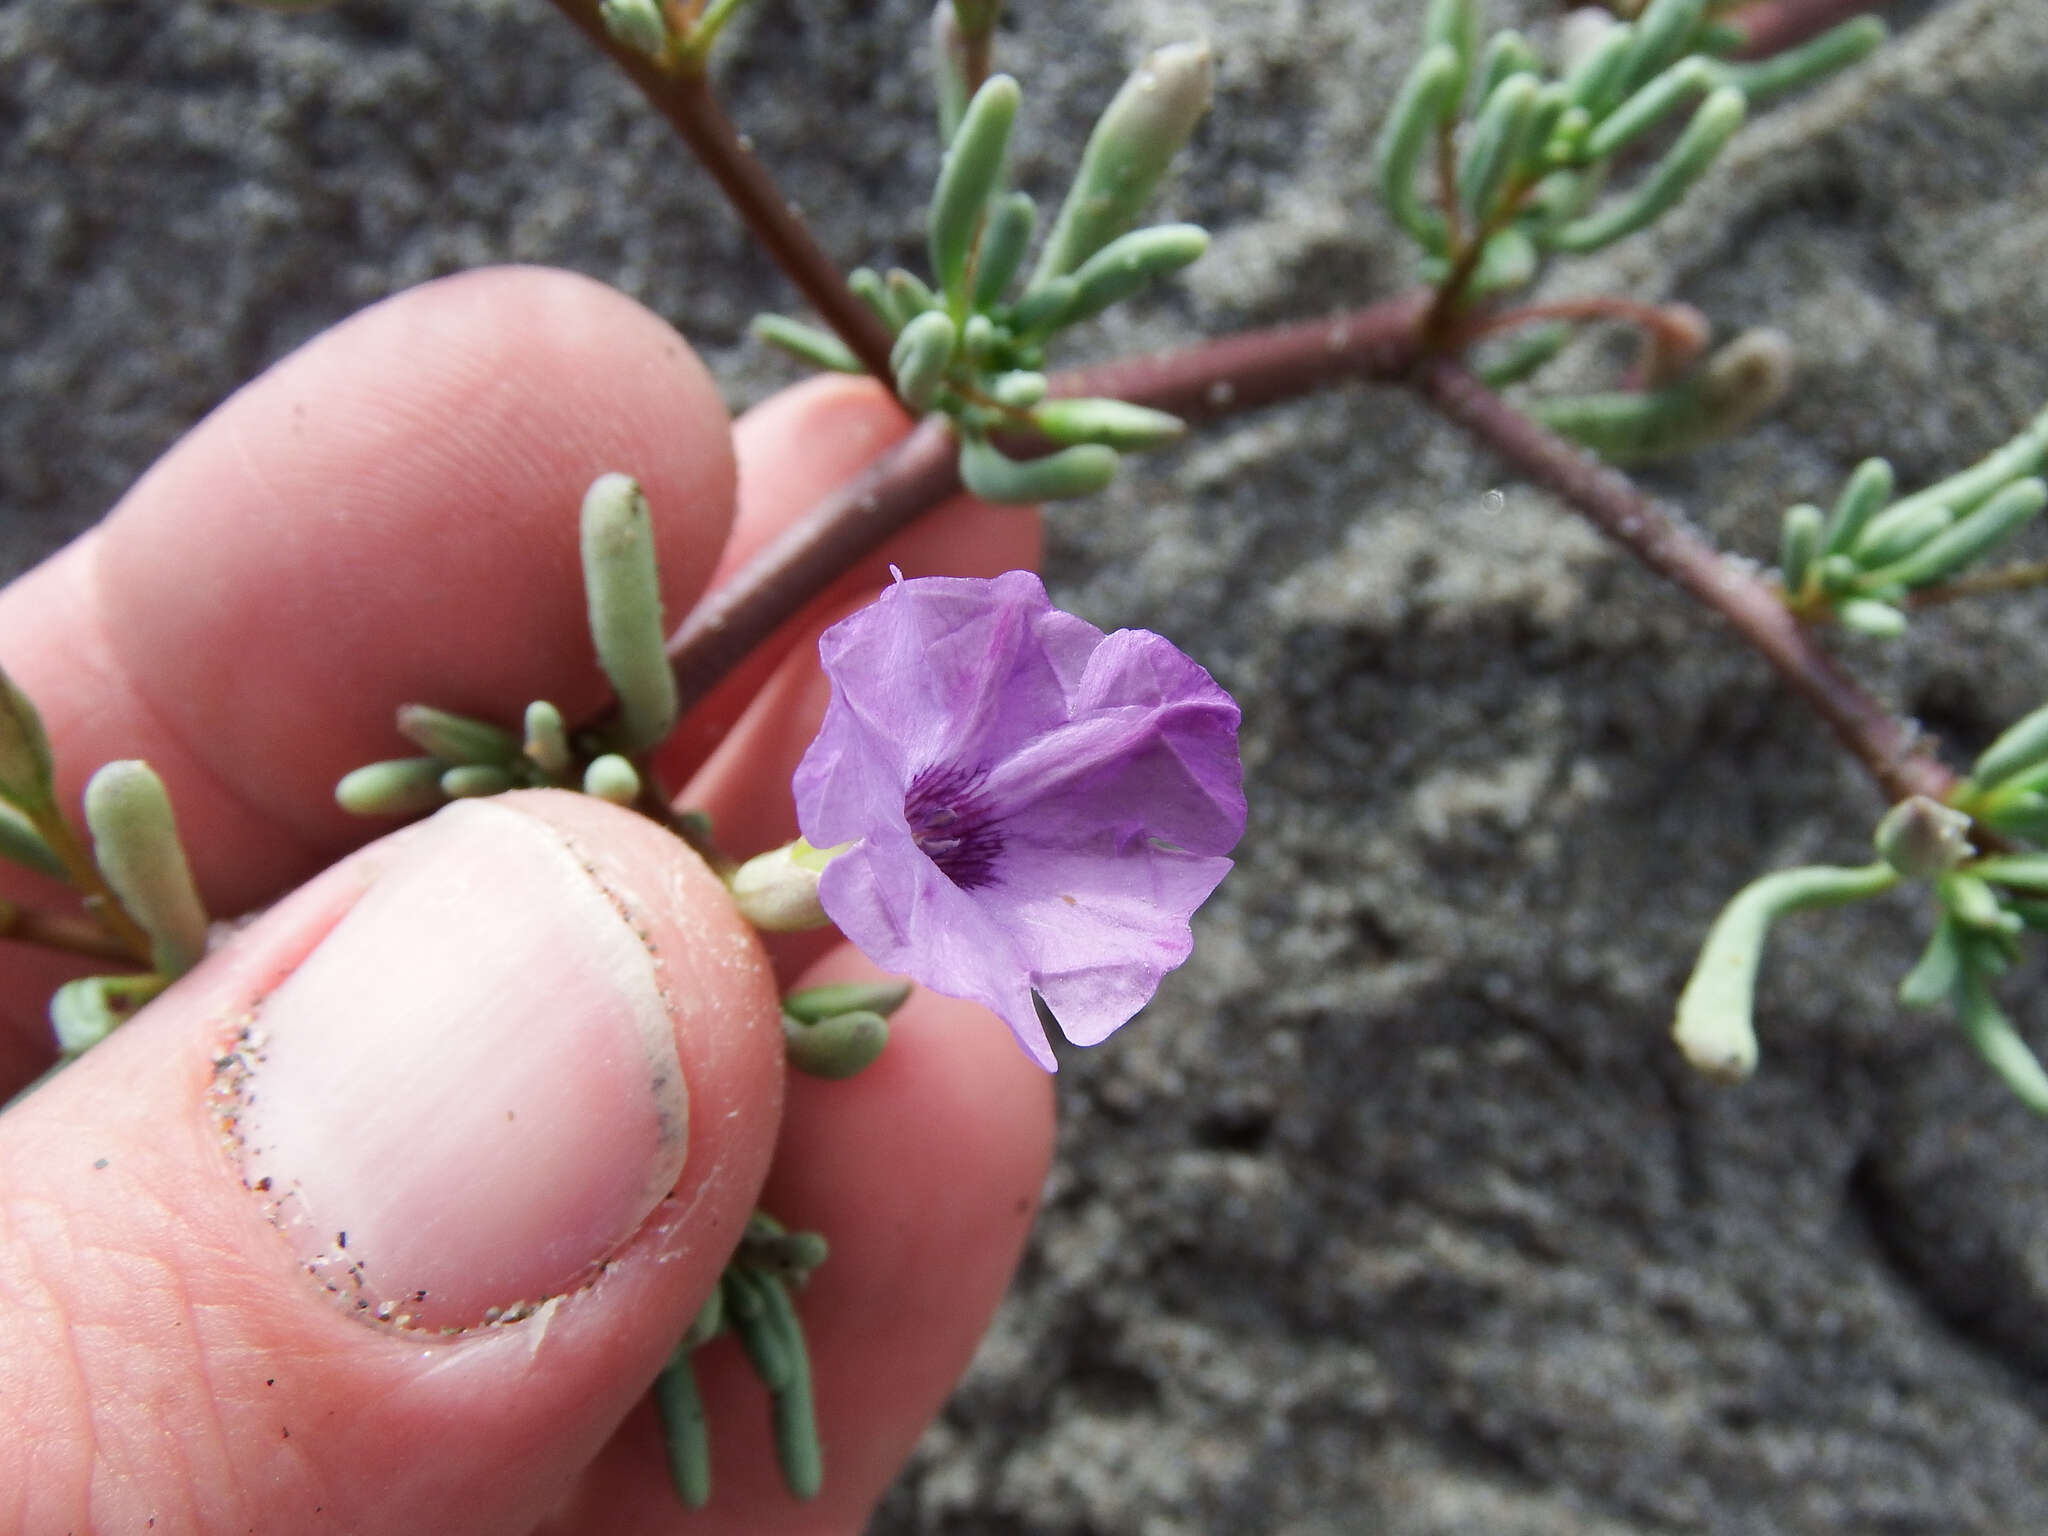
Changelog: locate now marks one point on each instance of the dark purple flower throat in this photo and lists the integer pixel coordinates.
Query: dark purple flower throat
(953, 824)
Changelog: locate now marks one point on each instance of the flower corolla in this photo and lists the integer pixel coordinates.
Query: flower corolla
(1029, 805)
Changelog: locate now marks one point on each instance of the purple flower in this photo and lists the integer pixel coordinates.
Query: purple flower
(1032, 805)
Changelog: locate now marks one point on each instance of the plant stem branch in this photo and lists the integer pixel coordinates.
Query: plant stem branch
(1256, 368)
(1772, 26)
(807, 556)
(1237, 373)
(685, 99)
(2004, 578)
(1902, 763)
(1212, 379)
(1671, 328)
(53, 930)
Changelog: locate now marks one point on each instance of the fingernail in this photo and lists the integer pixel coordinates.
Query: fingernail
(467, 1096)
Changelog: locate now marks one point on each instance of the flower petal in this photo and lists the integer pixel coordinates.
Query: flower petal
(899, 911)
(1077, 790)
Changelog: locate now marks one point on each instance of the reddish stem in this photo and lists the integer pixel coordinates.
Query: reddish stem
(1220, 378)
(807, 556)
(74, 935)
(1901, 762)
(1257, 368)
(686, 101)
(1212, 379)
(1672, 328)
(1253, 368)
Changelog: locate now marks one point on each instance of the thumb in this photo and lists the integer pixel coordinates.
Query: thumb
(385, 1216)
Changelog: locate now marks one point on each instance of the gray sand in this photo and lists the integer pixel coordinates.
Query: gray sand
(1397, 1212)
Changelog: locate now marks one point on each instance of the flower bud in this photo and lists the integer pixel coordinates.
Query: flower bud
(636, 23)
(777, 891)
(1922, 838)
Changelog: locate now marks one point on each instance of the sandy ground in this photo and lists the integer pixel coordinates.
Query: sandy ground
(1396, 1212)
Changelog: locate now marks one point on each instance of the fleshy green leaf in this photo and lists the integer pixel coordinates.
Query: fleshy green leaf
(1114, 423)
(1867, 489)
(1404, 138)
(400, 786)
(921, 357)
(26, 769)
(623, 589)
(456, 738)
(1714, 1027)
(969, 176)
(1684, 163)
(836, 1047)
(135, 843)
(1135, 139)
(993, 476)
(819, 348)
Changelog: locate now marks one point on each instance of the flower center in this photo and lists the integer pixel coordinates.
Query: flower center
(953, 824)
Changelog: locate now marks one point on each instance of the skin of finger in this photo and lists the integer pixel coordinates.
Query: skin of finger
(793, 450)
(764, 747)
(924, 1173)
(163, 1356)
(388, 515)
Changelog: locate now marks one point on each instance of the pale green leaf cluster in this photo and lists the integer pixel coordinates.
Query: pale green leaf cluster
(754, 1301)
(1986, 908)
(970, 344)
(1532, 145)
(1738, 383)
(648, 28)
(135, 879)
(1855, 562)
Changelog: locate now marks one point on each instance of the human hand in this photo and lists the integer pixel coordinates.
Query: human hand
(459, 1044)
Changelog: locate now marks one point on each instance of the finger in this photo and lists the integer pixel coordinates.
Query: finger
(388, 515)
(924, 1174)
(792, 451)
(520, 1062)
